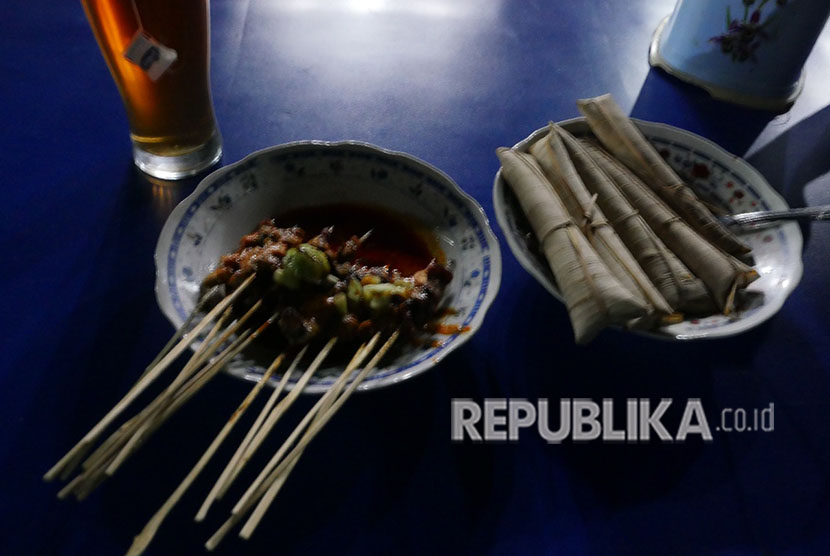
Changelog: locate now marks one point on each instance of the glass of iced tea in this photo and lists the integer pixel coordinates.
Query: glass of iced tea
(158, 53)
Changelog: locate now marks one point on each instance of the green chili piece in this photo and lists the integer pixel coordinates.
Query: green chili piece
(287, 278)
(341, 303)
(355, 291)
(320, 259)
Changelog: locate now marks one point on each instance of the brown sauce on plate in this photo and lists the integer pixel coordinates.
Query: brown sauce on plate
(397, 240)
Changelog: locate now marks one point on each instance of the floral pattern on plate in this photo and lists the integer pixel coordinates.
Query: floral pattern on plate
(723, 180)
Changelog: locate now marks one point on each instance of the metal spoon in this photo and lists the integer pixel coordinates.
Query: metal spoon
(771, 216)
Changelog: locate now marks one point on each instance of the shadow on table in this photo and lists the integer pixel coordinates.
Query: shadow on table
(622, 366)
(162, 196)
(123, 240)
(381, 463)
(789, 162)
(109, 327)
(795, 158)
(665, 99)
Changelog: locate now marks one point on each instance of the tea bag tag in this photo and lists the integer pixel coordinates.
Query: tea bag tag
(150, 55)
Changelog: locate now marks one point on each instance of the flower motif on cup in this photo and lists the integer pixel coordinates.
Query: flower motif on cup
(743, 36)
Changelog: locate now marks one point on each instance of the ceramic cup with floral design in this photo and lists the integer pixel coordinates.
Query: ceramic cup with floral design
(746, 51)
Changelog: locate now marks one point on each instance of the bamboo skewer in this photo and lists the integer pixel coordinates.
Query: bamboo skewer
(205, 354)
(179, 332)
(130, 438)
(326, 404)
(202, 377)
(266, 421)
(70, 460)
(221, 485)
(217, 537)
(103, 467)
(144, 538)
(197, 381)
(164, 399)
(70, 487)
(217, 345)
(216, 349)
(180, 347)
(83, 485)
(280, 474)
(206, 374)
(268, 426)
(112, 441)
(129, 426)
(237, 516)
(90, 477)
(207, 346)
(324, 400)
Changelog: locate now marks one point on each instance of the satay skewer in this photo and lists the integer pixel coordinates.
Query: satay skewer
(125, 434)
(92, 476)
(143, 539)
(180, 330)
(199, 380)
(164, 399)
(307, 268)
(357, 359)
(93, 467)
(280, 474)
(71, 459)
(225, 478)
(193, 384)
(156, 414)
(325, 404)
(268, 426)
(129, 426)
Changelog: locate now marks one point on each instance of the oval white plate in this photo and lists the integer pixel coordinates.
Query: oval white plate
(231, 201)
(720, 176)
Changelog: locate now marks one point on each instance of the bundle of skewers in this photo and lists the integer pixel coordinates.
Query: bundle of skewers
(628, 242)
(297, 296)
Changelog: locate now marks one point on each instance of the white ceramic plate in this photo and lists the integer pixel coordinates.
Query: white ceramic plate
(233, 200)
(719, 176)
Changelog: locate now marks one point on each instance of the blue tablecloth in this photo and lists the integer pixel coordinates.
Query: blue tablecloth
(447, 81)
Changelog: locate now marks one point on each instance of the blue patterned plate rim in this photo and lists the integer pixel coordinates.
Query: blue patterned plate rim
(789, 233)
(166, 293)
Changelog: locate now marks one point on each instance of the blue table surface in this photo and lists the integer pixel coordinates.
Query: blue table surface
(447, 81)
